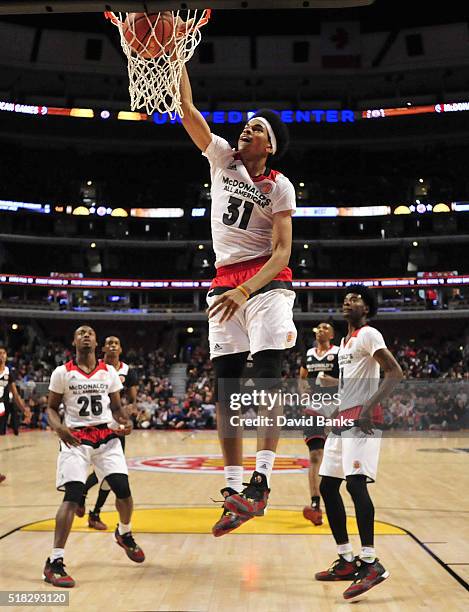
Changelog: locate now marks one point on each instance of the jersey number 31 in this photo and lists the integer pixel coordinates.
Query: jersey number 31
(234, 204)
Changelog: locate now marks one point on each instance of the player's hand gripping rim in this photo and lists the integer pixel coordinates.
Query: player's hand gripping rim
(227, 303)
(67, 437)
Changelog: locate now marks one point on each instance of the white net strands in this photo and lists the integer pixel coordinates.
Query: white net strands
(157, 45)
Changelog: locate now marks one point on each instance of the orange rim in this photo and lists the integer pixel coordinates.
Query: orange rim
(203, 21)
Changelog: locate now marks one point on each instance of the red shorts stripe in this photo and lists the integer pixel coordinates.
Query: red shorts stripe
(354, 412)
(92, 436)
(239, 273)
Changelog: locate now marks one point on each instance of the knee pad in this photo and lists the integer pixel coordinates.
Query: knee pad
(329, 485)
(356, 485)
(315, 444)
(315, 455)
(119, 484)
(228, 368)
(74, 492)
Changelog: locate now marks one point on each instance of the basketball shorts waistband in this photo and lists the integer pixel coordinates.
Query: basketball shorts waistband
(275, 284)
(233, 275)
(94, 435)
(353, 414)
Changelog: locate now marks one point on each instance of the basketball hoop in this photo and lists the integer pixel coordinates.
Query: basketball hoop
(157, 45)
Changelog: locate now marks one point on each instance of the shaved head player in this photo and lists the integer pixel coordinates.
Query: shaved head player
(90, 392)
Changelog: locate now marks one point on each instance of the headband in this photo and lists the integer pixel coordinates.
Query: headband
(270, 131)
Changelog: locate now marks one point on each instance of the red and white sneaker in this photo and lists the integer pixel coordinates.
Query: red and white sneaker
(252, 501)
(341, 569)
(132, 549)
(54, 573)
(95, 522)
(368, 576)
(313, 514)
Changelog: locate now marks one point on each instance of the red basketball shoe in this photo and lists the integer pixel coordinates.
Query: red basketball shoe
(132, 549)
(229, 521)
(54, 573)
(95, 522)
(253, 499)
(341, 569)
(313, 514)
(368, 576)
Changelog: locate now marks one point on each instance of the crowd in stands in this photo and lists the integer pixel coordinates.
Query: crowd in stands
(434, 394)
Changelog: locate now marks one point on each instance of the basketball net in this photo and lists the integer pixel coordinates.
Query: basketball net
(154, 82)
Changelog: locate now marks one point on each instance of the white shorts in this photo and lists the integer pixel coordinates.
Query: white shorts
(74, 462)
(347, 454)
(264, 322)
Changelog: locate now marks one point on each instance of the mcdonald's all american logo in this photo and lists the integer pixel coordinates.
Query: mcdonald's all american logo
(211, 464)
(266, 188)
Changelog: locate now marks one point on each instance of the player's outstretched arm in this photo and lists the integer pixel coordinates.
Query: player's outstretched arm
(193, 121)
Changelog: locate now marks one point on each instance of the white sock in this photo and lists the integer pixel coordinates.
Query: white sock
(265, 463)
(368, 554)
(234, 477)
(345, 551)
(57, 553)
(123, 528)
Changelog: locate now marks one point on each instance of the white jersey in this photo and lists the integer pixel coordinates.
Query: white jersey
(359, 371)
(242, 206)
(85, 396)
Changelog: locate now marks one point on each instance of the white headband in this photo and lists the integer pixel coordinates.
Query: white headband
(270, 132)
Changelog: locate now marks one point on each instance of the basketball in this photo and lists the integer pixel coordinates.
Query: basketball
(148, 34)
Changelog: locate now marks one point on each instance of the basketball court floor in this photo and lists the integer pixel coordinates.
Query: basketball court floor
(422, 514)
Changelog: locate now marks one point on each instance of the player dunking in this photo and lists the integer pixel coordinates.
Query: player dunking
(112, 351)
(8, 412)
(320, 368)
(250, 300)
(352, 453)
(90, 392)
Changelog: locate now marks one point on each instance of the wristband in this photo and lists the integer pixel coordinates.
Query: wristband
(244, 291)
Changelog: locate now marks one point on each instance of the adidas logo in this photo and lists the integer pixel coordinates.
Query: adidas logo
(217, 347)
